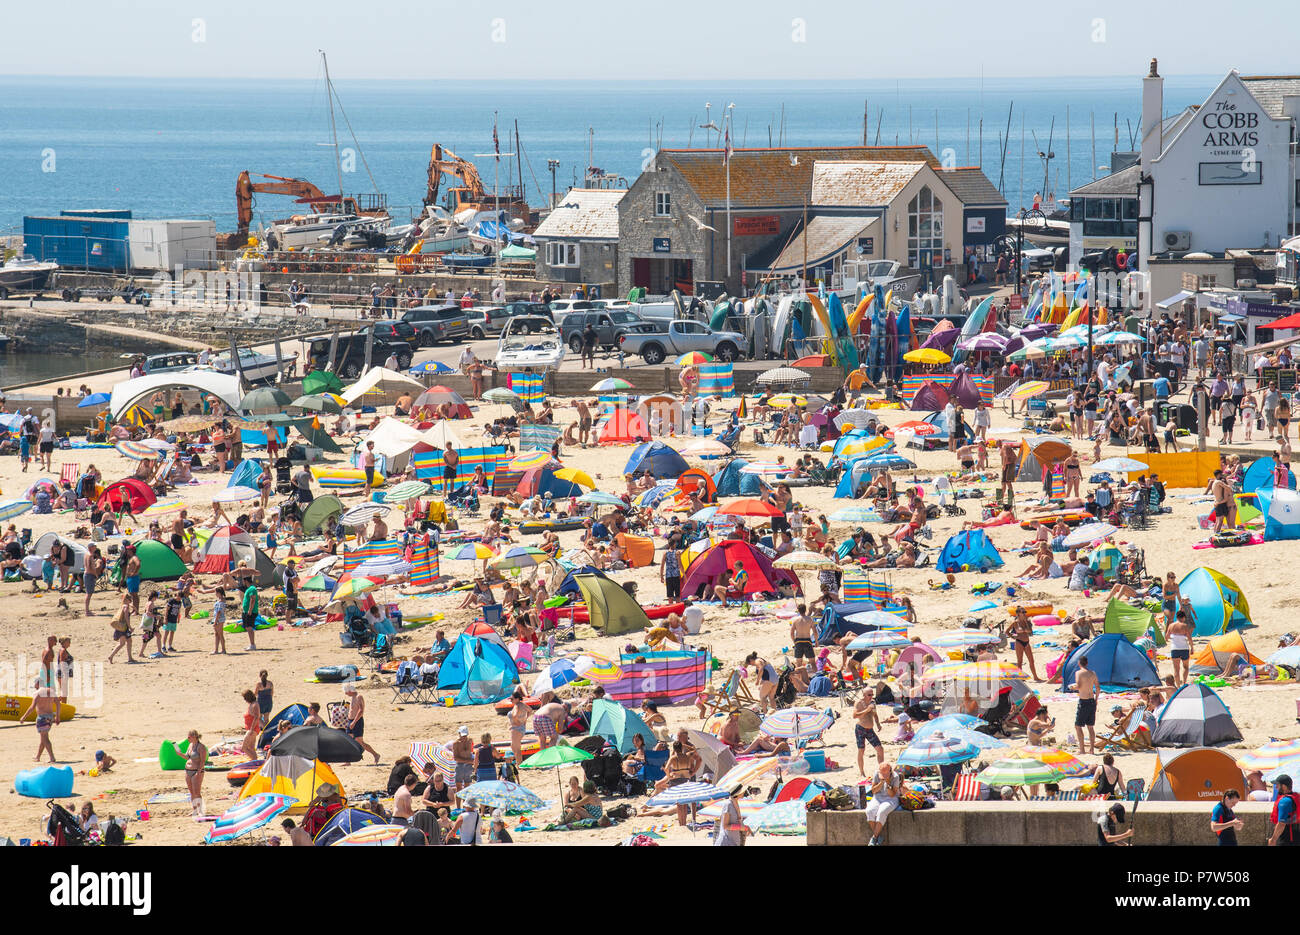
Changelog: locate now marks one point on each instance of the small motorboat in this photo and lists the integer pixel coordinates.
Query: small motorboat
(529, 342)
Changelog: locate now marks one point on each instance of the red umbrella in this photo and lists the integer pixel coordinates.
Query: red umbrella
(747, 506)
(915, 426)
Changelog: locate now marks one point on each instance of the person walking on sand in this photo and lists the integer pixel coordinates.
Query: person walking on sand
(122, 629)
(265, 689)
(248, 610)
(1180, 633)
(1086, 684)
(196, 760)
(864, 732)
(1022, 628)
(46, 705)
(518, 716)
(357, 720)
(218, 620)
(94, 568)
(131, 577)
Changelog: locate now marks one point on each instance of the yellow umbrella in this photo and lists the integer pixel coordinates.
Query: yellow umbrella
(927, 355)
(786, 400)
(1028, 390)
(353, 587)
(573, 475)
(527, 460)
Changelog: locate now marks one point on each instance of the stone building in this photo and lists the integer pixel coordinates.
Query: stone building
(579, 240)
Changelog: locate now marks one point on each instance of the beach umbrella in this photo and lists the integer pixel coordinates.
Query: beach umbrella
(597, 667)
(796, 723)
(429, 366)
(1033, 350)
(789, 817)
(264, 401)
(706, 448)
(136, 451)
(1118, 337)
(504, 397)
(575, 476)
(363, 513)
(237, 494)
(507, 796)
(373, 836)
(94, 399)
(766, 468)
(786, 400)
(693, 359)
(1019, 771)
(426, 753)
(948, 722)
(976, 738)
(855, 514)
(937, 749)
(979, 606)
(554, 757)
(558, 673)
(383, 566)
(782, 376)
(1285, 768)
(1067, 763)
(942, 339)
(601, 498)
(521, 556)
(704, 515)
(654, 494)
(964, 638)
(527, 460)
(1029, 390)
(984, 341)
(352, 587)
(748, 506)
(248, 815)
(803, 560)
(1286, 656)
(1082, 535)
(407, 490)
(319, 583)
(321, 381)
(877, 618)
(471, 551)
(1270, 755)
(318, 742)
(927, 355)
(319, 402)
(688, 793)
(1119, 465)
(941, 671)
(611, 384)
(988, 672)
(889, 462)
(1037, 329)
(858, 418)
(749, 772)
(878, 639)
(162, 507)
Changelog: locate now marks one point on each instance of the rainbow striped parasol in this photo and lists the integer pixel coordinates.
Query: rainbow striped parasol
(248, 815)
(373, 836)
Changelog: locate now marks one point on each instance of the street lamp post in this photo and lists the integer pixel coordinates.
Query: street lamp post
(552, 164)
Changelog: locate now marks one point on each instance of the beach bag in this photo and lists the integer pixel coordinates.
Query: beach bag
(114, 835)
(911, 800)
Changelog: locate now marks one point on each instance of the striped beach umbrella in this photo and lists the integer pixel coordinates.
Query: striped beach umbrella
(877, 618)
(611, 384)
(989, 672)
(353, 587)
(161, 507)
(766, 468)
(428, 753)
(855, 514)
(237, 494)
(527, 460)
(247, 816)
(407, 490)
(363, 513)
(497, 793)
(521, 556)
(693, 359)
(942, 671)
(136, 451)
(1020, 771)
(688, 793)
(598, 668)
(653, 495)
(373, 836)
(964, 638)
(750, 772)
(470, 551)
(383, 565)
(1270, 754)
(786, 400)
(1067, 763)
(803, 560)
(796, 723)
(878, 639)
(1029, 390)
(789, 817)
(937, 749)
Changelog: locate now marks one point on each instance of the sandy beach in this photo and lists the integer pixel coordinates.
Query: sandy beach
(153, 700)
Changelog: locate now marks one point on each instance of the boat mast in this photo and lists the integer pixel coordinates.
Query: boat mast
(334, 132)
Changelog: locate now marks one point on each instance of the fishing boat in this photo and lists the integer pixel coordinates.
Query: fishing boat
(25, 273)
(308, 231)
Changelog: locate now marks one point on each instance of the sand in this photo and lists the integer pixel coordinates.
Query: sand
(156, 699)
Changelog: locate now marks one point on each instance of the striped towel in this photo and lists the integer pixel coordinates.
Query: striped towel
(531, 387)
(716, 380)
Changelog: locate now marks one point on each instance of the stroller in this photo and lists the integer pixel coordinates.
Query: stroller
(785, 690)
(63, 828)
(283, 482)
(290, 509)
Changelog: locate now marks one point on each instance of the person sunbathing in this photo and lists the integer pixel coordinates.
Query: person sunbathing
(1005, 517)
(906, 559)
(764, 745)
(1038, 568)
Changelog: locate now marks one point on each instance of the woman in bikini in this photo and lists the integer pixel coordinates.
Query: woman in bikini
(252, 724)
(1021, 631)
(1073, 475)
(196, 758)
(1170, 598)
(1283, 414)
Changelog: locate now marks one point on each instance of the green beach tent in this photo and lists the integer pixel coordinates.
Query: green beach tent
(619, 725)
(1132, 622)
(612, 610)
(157, 563)
(319, 511)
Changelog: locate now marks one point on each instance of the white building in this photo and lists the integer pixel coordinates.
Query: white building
(1216, 176)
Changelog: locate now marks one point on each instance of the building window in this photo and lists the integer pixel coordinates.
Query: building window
(924, 229)
(562, 254)
(1108, 217)
(663, 204)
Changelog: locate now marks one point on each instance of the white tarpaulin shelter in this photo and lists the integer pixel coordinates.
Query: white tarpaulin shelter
(380, 379)
(394, 439)
(227, 387)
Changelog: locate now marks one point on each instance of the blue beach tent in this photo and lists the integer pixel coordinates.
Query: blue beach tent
(659, 459)
(1115, 661)
(731, 483)
(970, 550)
(481, 669)
(1260, 474)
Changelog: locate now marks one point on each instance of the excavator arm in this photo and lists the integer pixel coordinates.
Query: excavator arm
(444, 160)
(304, 191)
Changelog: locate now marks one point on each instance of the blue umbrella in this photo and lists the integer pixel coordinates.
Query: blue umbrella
(247, 816)
(704, 515)
(878, 639)
(1286, 656)
(497, 793)
(688, 793)
(1289, 767)
(430, 366)
(877, 618)
(975, 738)
(94, 399)
(937, 749)
(949, 722)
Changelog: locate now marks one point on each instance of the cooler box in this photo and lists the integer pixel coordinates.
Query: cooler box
(816, 760)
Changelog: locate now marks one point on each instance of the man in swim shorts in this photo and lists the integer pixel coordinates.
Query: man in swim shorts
(46, 705)
(131, 577)
(801, 629)
(356, 727)
(1086, 684)
(548, 721)
(864, 731)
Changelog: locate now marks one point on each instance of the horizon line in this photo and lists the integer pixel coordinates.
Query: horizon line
(618, 81)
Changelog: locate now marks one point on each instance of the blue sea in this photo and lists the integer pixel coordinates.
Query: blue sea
(166, 148)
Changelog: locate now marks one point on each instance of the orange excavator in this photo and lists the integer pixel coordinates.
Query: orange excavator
(304, 192)
(470, 194)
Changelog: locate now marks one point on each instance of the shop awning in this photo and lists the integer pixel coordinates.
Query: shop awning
(1175, 299)
(1282, 324)
(820, 241)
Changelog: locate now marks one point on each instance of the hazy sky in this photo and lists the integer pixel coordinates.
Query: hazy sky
(665, 39)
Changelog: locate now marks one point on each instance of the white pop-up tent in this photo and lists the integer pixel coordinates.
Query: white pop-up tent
(395, 439)
(227, 387)
(380, 379)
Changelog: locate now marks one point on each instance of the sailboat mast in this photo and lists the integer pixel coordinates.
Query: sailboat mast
(519, 162)
(334, 131)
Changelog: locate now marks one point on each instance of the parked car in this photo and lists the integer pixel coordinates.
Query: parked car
(434, 323)
(350, 354)
(562, 307)
(486, 320)
(611, 327)
(390, 331)
(529, 342)
(681, 337)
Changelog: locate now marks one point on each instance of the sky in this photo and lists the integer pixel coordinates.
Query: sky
(658, 40)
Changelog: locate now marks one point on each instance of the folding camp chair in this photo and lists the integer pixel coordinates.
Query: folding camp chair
(69, 472)
(406, 683)
(492, 614)
(967, 788)
(734, 693)
(381, 652)
(1129, 735)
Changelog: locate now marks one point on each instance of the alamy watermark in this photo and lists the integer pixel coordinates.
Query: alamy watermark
(84, 688)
